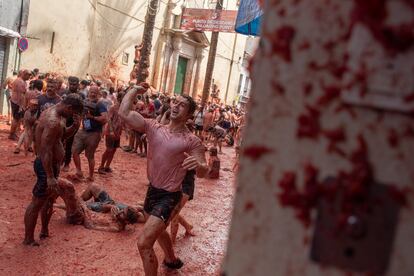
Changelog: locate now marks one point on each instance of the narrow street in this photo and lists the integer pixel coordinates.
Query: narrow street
(74, 250)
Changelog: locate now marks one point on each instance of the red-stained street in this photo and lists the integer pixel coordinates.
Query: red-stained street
(74, 250)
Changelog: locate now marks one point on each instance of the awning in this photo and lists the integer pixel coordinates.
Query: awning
(8, 32)
(249, 17)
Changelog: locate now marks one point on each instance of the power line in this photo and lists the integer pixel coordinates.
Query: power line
(111, 24)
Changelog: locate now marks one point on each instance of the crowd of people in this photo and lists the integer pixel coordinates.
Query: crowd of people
(63, 118)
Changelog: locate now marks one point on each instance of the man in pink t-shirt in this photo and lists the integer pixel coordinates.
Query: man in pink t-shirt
(172, 151)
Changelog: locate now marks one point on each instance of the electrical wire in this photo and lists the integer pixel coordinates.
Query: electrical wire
(224, 43)
(111, 24)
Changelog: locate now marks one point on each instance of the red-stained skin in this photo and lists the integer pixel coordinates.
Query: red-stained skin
(255, 152)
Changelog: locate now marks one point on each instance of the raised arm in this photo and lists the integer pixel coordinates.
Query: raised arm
(132, 118)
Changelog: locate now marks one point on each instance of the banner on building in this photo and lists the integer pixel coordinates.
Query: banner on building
(209, 20)
(249, 17)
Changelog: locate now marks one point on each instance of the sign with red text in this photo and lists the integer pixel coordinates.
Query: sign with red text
(209, 20)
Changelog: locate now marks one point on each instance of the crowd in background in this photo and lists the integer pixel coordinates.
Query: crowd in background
(27, 96)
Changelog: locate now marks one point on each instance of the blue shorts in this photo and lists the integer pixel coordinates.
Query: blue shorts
(40, 188)
(103, 199)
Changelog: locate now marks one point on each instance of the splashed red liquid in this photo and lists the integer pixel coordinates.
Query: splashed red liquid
(307, 89)
(256, 152)
(248, 206)
(330, 93)
(278, 88)
(409, 98)
(308, 124)
(373, 14)
(393, 138)
(281, 41)
(335, 135)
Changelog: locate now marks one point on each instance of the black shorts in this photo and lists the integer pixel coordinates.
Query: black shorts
(197, 127)
(188, 184)
(138, 134)
(112, 143)
(161, 203)
(15, 111)
(40, 188)
(225, 124)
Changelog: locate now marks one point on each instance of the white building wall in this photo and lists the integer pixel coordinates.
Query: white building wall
(90, 37)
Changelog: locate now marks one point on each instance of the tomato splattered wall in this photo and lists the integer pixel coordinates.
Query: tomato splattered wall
(332, 90)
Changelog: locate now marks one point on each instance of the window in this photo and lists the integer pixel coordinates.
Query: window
(246, 86)
(125, 58)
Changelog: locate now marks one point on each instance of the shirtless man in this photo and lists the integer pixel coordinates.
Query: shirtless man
(78, 209)
(172, 150)
(19, 88)
(49, 134)
(113, 131)
(29, 120)
(7, 89)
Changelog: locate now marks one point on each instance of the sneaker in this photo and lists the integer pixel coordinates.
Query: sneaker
(101, 170)
(126, 149)
(108, 170)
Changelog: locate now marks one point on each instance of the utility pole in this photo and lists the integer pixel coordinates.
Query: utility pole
(211, 60)
(144, 62)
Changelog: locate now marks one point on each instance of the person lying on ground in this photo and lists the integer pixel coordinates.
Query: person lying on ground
(78, 210)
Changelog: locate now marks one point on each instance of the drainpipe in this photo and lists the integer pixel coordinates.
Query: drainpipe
(17, 57)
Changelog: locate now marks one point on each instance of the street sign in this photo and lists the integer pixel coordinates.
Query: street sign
(23, 44)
